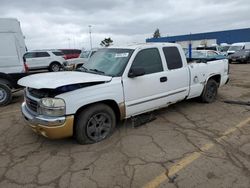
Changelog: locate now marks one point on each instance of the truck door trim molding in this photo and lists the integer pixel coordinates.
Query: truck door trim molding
(174, 93)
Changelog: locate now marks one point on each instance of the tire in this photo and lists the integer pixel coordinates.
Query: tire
(5, 94)
(210, 91)
(55, 67)
(90, 127)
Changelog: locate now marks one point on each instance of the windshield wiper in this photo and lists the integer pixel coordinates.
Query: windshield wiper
(98, 71)
(82, 68)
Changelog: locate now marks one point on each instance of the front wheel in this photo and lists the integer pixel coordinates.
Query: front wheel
(54, 67)
(94, 124)
(210, 91)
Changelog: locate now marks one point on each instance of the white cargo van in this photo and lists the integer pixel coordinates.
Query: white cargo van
(237, 47)
(12, 49)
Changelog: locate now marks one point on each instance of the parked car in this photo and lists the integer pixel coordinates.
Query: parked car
(71, 53)
(242, 56)
(214, 48)
(12, 66)
(223, 48)
(115, 84)
(204, 55)
(44, 59)
(75, 63)
(237, 47)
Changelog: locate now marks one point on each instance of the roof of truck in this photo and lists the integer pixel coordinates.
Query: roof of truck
(139, 45)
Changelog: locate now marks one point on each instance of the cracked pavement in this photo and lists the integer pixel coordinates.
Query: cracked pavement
(132, 157)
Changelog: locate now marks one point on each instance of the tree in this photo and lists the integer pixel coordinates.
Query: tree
(106, 42)
(157, 33)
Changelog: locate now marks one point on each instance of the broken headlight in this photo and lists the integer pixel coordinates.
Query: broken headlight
(51, 107)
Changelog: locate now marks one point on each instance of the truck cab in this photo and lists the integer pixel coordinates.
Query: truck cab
(115, 84)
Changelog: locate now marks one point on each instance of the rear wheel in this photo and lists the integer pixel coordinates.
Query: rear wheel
(54, 67)
(5, 94)
(210, 92)
(94, 124)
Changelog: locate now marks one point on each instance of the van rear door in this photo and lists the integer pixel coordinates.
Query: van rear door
(9, 54)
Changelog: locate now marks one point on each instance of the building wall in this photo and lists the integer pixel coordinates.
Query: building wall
(230, 36)
(197, 43)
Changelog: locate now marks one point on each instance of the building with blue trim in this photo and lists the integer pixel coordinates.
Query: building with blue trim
(229, 37)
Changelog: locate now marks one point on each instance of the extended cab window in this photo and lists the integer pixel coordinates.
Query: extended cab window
(42, 54)
(149, 59)
(173, 57)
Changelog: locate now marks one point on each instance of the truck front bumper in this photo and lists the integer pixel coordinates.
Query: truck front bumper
(50, 127)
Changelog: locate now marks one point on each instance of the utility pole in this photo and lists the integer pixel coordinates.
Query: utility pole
(190, 47)
(90, 37)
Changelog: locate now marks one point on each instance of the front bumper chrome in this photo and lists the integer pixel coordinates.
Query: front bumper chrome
(51, 127)
(69, 67)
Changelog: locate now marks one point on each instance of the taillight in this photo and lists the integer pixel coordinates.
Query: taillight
(26, 68)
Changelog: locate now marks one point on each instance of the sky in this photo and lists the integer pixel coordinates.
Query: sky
(65, 23)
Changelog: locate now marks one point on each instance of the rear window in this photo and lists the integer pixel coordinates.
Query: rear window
(173, 57)
(58, 53)
(29, 55)
(42, 54)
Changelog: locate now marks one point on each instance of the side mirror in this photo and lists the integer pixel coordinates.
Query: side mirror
(135, 72)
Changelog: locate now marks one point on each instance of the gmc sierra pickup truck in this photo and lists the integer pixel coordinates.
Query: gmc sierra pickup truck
(115, 84)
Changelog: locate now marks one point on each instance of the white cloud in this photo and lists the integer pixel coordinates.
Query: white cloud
(64, 23)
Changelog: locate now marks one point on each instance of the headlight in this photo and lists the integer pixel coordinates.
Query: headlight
(51, 107)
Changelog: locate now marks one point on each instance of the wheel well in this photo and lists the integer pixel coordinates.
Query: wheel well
(5, 79)
(216, 78)
(112, 104)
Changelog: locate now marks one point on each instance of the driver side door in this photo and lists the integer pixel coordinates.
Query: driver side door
(144, 93)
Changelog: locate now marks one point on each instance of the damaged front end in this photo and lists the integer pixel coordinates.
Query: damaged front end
(42, 93)
(46, 114)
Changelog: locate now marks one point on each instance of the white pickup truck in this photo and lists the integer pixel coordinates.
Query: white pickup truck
(115, 84)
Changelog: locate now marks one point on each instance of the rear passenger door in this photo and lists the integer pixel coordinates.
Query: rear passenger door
(42, 59)
(30, 59)
(177, 74)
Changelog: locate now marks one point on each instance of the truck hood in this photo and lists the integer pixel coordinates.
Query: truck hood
(59, 79)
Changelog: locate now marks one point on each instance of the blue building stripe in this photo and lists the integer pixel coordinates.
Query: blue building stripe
(229, 36)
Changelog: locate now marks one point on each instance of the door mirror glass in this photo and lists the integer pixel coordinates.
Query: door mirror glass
(136, 71)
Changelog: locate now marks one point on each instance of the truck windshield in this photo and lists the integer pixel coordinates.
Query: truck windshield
(109, 61)
(235, 48)
(224, 48)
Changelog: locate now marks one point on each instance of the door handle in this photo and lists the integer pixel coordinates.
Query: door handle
(163, 79)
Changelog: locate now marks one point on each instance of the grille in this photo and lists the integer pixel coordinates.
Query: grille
(31, 104)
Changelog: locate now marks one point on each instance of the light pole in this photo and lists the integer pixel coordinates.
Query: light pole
(69, 42)
(90, 37)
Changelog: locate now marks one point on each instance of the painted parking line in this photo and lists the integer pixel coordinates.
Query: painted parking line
(11, 112)
(191, 158)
